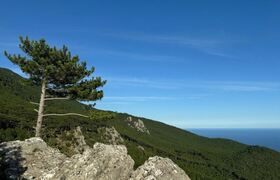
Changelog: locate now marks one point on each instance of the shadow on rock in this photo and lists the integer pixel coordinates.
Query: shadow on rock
(11, 162)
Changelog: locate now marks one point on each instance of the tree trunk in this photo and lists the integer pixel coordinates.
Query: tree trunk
(41, 110)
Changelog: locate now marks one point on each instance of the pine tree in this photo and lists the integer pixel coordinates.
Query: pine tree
(60, 75)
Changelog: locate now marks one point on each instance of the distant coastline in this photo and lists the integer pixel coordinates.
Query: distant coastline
(269, 138)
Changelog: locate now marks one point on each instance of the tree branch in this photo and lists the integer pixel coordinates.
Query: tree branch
(57, 98)
(36, 110)
(66, 114)
(34, 103)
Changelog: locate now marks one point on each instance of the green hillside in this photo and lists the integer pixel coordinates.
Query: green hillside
(200, 157)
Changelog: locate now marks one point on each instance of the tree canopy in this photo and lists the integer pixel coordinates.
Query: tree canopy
(61, 75)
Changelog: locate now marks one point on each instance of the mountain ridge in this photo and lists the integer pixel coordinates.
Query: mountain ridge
(199, 157)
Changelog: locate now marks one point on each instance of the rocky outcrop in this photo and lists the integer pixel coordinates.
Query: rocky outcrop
(110, 135)
(80, 143)
(30, 159)
(33, 159)
(102, 162)
(137, 124)
(159, 168)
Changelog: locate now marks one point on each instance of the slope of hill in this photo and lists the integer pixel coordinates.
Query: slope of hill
(200, 157)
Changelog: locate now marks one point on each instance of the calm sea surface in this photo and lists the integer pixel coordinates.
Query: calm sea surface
(263, 137)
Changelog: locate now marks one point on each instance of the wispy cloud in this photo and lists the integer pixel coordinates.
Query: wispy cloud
(135, 55)
(225, 122)
(238, 86)
(219, 53)
(138, 56)
(138, 82)
(211, 46)
(138, 98)
(167, 39)
(114, 103)
(244, 86)
(124, 100)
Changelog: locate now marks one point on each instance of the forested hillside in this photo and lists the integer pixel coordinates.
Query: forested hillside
(200, 157)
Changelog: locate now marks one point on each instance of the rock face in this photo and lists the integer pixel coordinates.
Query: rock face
(101, 162)
(81, 144)
(137, 124)
(159, 168)
(30, 158)
(110, 135)
(33, 159)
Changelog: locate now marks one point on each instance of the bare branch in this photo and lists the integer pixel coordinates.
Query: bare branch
(66, 114)
(57, 98)
(34, 103)
(36, 110)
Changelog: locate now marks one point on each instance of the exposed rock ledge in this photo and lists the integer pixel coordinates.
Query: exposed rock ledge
(137, 124)
(110, 135)
(34, 159)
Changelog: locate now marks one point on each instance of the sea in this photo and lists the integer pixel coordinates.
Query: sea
(269, 138)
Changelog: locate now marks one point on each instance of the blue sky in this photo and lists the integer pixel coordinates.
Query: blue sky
(192, 64)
